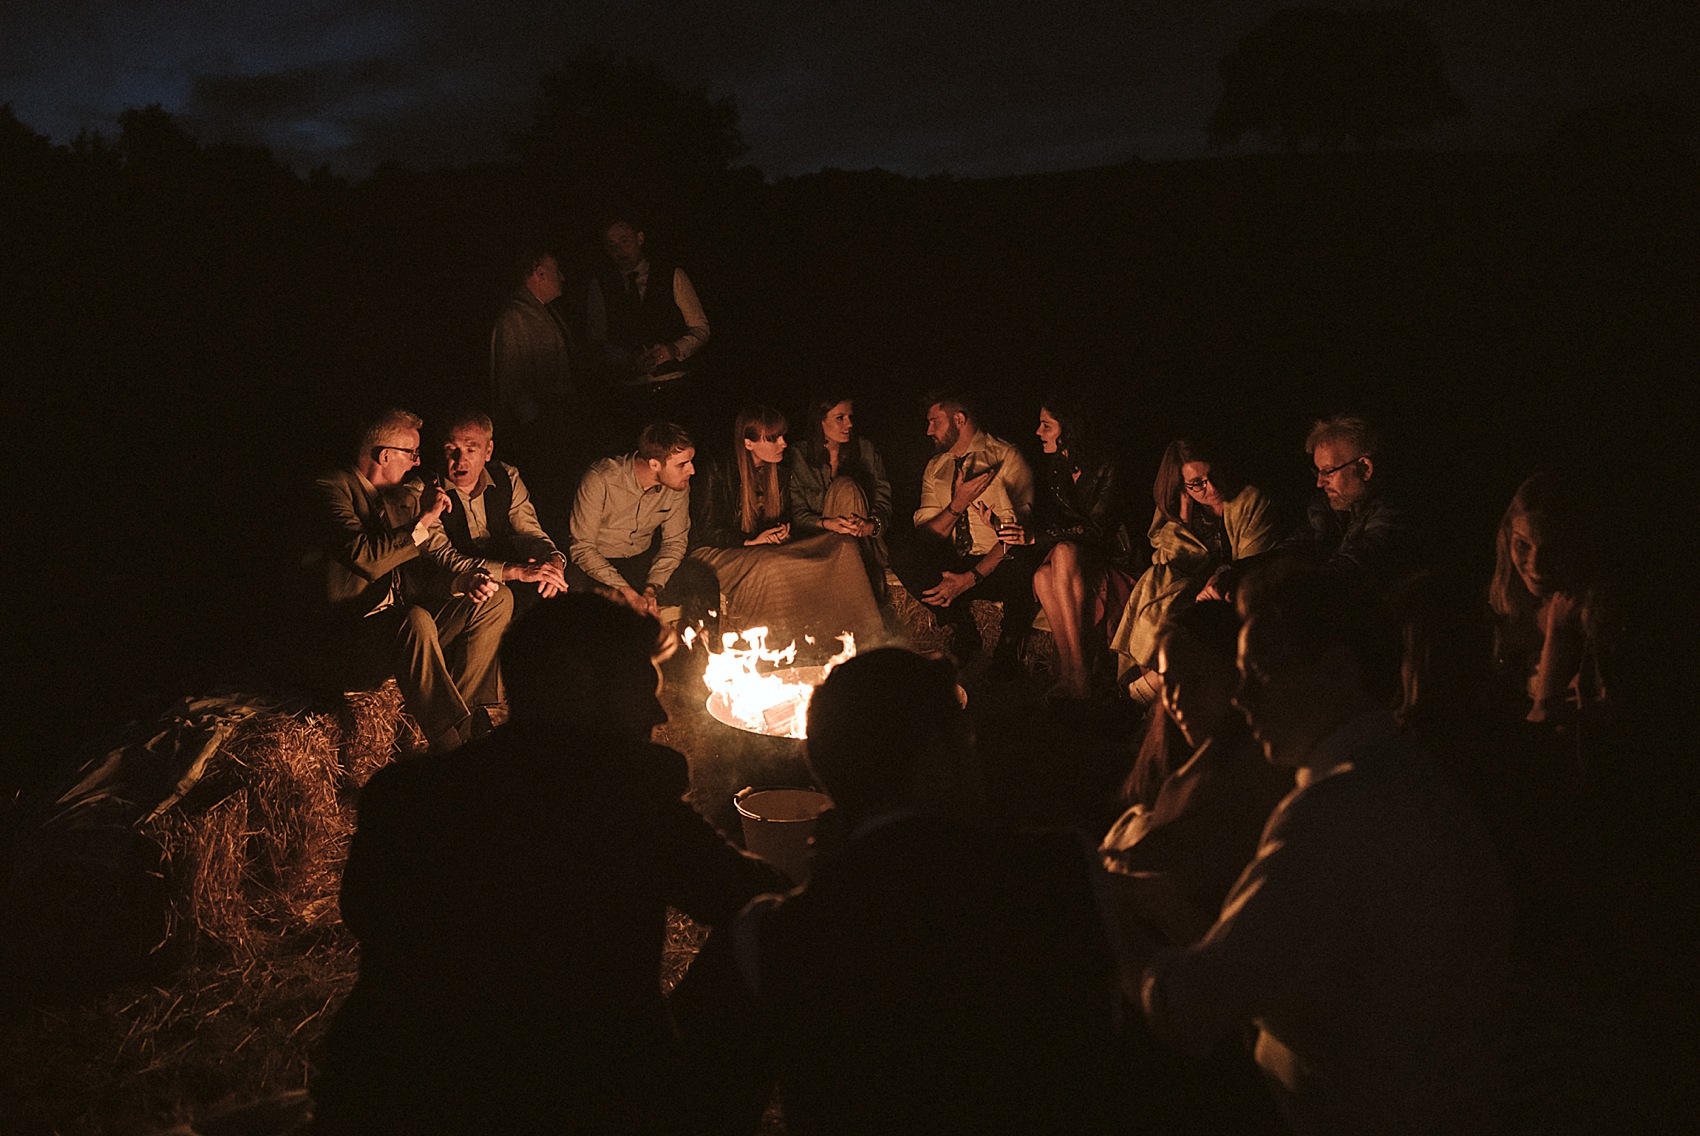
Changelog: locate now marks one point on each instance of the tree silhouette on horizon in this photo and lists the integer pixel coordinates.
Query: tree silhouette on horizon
(620, 130)
(1331, 77)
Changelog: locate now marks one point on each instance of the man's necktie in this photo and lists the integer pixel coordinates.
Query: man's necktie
(632, 285)
(962, 536)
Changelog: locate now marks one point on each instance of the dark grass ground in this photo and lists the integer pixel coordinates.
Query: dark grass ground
(218, 1029)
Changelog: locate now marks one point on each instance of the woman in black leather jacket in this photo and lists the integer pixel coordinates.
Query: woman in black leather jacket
(1080, 523)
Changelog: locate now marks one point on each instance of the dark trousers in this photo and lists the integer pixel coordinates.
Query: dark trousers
(920, 562)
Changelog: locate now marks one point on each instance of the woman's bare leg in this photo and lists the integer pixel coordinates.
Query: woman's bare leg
(1066, 611)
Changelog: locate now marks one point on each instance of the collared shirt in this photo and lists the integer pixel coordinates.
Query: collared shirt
(615, 518)
(529, 537)
(1010, 494)
(684, 295)
(1367, 942)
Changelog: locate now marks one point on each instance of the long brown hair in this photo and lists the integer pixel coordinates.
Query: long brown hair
(761, 500)
(1167, 489)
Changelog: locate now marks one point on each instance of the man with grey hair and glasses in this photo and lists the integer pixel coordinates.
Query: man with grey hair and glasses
(1354, 521)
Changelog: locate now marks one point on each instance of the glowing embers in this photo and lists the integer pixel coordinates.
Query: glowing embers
(759, 689)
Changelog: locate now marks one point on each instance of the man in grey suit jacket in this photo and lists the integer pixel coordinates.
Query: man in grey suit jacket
(381, 614)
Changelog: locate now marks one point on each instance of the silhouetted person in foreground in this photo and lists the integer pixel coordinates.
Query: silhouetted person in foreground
(1368, 942)
(1173, 863)
(1181, 856)
(935, 974)
(511, 900)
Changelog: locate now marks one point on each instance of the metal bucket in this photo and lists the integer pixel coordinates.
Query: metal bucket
(778, 824)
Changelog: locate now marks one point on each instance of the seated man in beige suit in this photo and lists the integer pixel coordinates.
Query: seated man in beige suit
(385, 612)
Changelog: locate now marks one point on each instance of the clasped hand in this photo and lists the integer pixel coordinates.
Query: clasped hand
(546, 574)
(644, 602)
(778, 534)
(482, 588)
(950, 586)
(849, 525)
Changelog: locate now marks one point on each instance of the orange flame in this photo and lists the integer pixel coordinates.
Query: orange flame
(760, 689)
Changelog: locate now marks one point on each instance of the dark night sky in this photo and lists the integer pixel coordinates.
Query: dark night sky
(974, 87)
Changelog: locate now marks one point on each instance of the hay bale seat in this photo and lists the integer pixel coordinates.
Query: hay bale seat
(255, 850)
(1038, 649)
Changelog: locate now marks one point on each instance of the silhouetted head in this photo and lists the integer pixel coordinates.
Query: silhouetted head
(1344, 451)
(1196, 651)
(586, 663)
(887, 732)
(1317, 648)
(1447, 647)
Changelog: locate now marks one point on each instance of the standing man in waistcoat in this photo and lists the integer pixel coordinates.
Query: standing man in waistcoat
(644, 321)
(492, 526)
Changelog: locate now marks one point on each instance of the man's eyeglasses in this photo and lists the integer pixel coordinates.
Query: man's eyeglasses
(412, 453)
(1198, 483)
(1330, 472)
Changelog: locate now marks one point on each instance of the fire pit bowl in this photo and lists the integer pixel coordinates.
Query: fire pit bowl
(785, 717)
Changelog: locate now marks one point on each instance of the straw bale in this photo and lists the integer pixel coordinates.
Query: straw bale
(917, 625)
(1039, 652)
(203, 868)
(915, 622)
(684, 939)
(257, 850)
(375, 729)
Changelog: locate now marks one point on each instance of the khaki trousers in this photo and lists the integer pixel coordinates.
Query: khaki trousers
(444, 659)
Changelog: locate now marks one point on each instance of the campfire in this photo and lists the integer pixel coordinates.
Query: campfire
(762, 690)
